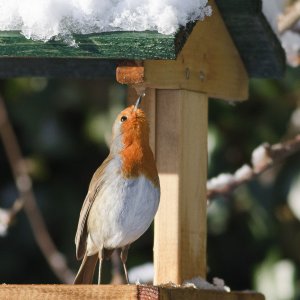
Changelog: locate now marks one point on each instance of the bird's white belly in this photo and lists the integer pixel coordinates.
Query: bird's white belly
(122, 213)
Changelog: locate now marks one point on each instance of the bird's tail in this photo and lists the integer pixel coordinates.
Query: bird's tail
(85, 274)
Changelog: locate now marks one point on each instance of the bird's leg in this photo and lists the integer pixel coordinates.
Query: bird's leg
(100, 264)
(124, 253)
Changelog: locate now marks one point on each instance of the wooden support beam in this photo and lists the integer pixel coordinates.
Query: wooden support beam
(209, 62)
(181, 155)
(178, 136)
(116, 292)
(130, 73)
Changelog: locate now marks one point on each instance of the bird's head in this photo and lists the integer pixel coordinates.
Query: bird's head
(131, 126)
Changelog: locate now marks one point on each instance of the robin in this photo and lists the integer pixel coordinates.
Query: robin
(122, 198)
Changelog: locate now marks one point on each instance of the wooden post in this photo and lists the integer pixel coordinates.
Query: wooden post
(181, 155)
(178, 137)
(209, 65)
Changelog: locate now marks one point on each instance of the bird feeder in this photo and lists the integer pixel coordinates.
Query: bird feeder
(211, 58)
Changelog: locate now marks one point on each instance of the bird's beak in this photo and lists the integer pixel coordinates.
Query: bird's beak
(138, 101)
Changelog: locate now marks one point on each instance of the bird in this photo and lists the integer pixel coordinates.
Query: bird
(122, 198)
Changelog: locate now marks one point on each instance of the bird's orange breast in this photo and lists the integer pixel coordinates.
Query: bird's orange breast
(138, 160)
(137, 157)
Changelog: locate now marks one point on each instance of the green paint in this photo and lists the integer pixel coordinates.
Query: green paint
(112, 45)
(258, 46)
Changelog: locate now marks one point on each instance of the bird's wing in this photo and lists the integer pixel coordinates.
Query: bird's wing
(94, 188)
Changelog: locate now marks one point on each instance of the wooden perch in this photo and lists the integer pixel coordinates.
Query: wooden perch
(118, 292)
(130, 73)
(263, 158)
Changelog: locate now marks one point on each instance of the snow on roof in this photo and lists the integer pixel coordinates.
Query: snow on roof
(59, 19)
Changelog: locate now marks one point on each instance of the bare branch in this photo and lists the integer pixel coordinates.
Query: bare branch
(289, 18)
(263, 158)
(27, 200)
(8, 215)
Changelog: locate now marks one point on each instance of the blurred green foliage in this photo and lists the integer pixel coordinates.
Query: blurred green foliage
(255, 229)
(64, 126)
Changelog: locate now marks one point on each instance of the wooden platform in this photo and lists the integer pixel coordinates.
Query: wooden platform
(117, 292)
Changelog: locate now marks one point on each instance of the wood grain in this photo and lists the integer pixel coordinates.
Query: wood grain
(181, 155)
(130, 74)
(197, 294)
(209, 62)
(116, 292)
(148, 292)
(67, 292)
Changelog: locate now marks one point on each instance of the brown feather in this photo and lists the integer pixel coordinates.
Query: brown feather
(94, 188)
(85, 274)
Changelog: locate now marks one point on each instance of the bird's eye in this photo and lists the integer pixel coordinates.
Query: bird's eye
(123, 119)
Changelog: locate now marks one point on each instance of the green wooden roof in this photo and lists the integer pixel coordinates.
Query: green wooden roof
(107, 45)
(98, 54)
(258, 45)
